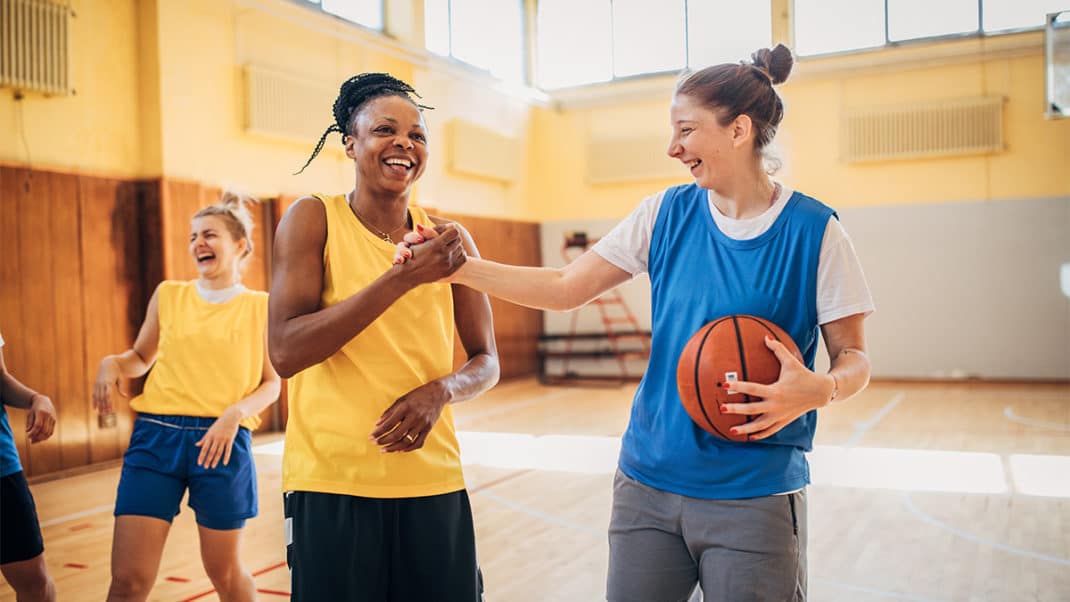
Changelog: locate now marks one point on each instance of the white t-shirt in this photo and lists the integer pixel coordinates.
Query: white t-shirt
(841, 286)
(216, 296)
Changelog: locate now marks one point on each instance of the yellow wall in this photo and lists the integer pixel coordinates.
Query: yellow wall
(97, 129)
(160, 93)
(1035, 163)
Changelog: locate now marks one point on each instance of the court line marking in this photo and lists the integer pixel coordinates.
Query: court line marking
(506, 407)
(499, 480)
(911, 505)
(861, 428)
(1008, 412)
(875, 591)
(62, 519)
(550, 518)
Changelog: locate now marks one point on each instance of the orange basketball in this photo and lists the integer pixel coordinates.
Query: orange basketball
(728, 349)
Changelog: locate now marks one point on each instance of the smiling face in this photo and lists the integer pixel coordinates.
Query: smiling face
(213, 248)
(710, 150)
(388, 142)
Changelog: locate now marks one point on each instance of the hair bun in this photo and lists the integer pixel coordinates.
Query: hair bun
(776, 62)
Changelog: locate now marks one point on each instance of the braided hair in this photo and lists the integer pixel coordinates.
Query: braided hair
(354, 94)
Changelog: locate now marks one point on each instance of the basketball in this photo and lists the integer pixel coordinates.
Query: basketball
(727, 349)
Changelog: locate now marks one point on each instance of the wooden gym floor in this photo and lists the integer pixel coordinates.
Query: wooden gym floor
(922, 492)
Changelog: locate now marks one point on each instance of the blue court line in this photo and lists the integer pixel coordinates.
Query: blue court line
(908, 501)
(861, 428)
(876, 592)
(1042, 424)
(550, 518)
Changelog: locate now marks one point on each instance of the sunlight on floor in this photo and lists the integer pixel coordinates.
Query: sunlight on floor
(856, 467)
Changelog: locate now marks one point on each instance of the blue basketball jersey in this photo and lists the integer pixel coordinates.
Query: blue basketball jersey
(699, 274)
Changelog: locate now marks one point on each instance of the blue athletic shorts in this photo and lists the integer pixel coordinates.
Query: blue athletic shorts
(161, 463)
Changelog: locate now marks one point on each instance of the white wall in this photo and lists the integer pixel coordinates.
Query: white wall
(962, 289)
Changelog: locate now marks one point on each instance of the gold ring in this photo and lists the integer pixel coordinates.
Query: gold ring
(410, 437)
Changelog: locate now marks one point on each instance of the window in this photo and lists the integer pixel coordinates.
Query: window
(589, 41)
(913, 19)
(825, 26)
(368, 13)
(1002, 15)
(488, 34)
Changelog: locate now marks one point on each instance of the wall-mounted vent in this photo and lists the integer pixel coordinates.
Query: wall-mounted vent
(476, 151)
(959, 126)
(35, 42)
(287, 106)
(630, 160)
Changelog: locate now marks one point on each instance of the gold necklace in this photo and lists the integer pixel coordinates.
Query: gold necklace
(383, 235)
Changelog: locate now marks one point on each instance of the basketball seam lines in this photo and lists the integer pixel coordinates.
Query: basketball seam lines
(742, 359)
(698, 383)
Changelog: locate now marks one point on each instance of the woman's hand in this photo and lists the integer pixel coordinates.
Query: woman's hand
(106, 384)
(41, 418)
(219, 440)
(797, 391)
(440, 250)
(405, 425)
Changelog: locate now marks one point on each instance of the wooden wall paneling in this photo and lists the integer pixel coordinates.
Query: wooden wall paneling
(38, 368)
(12, 182)
(516, 328)
(181, 199)
(114, 292)
(70, 393)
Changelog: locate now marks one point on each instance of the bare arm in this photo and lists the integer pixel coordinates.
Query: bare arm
(41, 419)
(556, 289)
(264, 395)
(132, 363)
(300, 332)
(475, 326)
(218, 441)
(420, 409)
(845, 340)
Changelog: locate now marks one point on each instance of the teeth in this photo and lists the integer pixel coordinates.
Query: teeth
(402, 162)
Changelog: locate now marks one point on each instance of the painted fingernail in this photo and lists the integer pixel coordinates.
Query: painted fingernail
(734, 431)
(724, 409)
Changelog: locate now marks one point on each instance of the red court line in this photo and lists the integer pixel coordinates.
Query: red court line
(81, 527)
(256, 574)
(178, 579)
(76, 565)
(269, 569)
(274, 592)
(199, 596)
(499, 480)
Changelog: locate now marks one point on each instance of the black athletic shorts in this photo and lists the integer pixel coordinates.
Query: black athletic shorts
(20, 533)
(350, 549)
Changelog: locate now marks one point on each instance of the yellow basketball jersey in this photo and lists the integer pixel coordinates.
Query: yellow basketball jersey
(210, 355)
(334, 404)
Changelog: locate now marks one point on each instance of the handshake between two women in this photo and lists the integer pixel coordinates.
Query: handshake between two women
(439, 251)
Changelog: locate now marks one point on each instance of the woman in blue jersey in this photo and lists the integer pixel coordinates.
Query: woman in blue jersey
(689, 507)
(22, 559)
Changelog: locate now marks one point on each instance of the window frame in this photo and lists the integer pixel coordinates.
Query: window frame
(317, 5)
(978, 33)
(526, 74)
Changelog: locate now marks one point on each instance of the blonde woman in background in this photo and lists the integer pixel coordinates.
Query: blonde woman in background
(205, 341)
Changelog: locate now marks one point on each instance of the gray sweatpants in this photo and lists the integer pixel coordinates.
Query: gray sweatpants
(661, 544)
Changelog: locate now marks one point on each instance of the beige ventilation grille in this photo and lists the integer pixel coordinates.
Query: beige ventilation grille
(35, 46)
(479, 152)
(282, 105)
(631, 160)
(958, 126)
